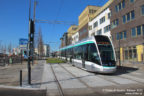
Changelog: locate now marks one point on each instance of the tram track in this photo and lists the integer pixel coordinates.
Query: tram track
(57, 82)
(93, 75)
(123, 77)
(91, 89)
(84, 83)
(101, 76)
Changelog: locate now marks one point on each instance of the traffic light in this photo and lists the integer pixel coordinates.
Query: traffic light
(31, 35)
(32, 27)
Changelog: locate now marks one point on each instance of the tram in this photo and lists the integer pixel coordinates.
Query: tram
(95, 54)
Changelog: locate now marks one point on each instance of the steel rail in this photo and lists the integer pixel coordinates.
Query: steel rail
(57, 82)
(76, 77)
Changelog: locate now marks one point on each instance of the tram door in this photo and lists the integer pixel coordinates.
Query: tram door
(84, 54)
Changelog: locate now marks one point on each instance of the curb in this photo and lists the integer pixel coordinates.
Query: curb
(21, 88)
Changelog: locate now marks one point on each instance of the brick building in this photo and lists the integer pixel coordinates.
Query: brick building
(127, 29)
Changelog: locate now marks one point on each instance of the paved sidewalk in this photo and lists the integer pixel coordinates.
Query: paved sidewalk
(19, 91)
(9, 75)
(139, 66)
(9, 80)
(36, 75)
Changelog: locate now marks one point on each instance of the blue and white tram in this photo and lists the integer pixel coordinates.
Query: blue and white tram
(94, 54)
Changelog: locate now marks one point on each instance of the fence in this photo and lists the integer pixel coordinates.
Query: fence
(10, 60)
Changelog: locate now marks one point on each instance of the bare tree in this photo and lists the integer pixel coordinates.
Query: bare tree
(40, 43)
(4, 49)
(10, 48)
(0, 47)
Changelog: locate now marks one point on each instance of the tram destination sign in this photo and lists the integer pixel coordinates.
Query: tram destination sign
(105, 43)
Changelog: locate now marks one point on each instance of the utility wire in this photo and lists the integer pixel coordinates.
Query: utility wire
(58, 13)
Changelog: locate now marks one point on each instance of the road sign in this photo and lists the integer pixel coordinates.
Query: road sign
(23, 43)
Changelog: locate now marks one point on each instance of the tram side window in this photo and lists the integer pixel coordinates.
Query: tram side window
(74, 50)
(85, 52)
(93, 54)
(70, 52)
(78, 52)
(66, 54)
(63, 53)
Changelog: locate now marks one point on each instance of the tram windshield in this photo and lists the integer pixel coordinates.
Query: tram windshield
(106, 51)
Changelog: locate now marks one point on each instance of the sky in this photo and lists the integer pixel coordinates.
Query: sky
(14, 16)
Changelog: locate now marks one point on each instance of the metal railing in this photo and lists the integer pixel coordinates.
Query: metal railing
(4, 60)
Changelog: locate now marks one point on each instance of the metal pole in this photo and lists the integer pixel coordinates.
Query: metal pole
(21, 56)
(29, 45)
(34, 30)
(35, 2)
(29, 9)
(119, 53)
(143, 52)
(20, 77)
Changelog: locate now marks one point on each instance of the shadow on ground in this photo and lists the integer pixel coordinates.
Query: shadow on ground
(124, 70)
(21, 92)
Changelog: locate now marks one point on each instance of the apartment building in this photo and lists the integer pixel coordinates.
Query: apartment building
(86, 16)
(75, 37)
(100, 25)
(71, 31)
(127, 29)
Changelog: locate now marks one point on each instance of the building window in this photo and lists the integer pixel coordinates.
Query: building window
(133, 32)
(93, 34)
(107, 28)
(95, 24)
(90, 27)
(117, 36)
(109, 15)
(115, 23)
(126, 53)
(120, 6)
(123, 3)
(128, 17)
(116, 8)
(132, 1)
(142, 10)
(138, 30)
(132, 15)
(121, 35)
(99, 32)
(124, 19)
(102, 20)
(143, 29)
(125, 34)
(92, 11)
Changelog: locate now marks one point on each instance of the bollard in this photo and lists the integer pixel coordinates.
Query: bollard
(20, 77)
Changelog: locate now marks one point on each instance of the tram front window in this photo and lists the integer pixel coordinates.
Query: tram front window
(93, 54)
(106, 54)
